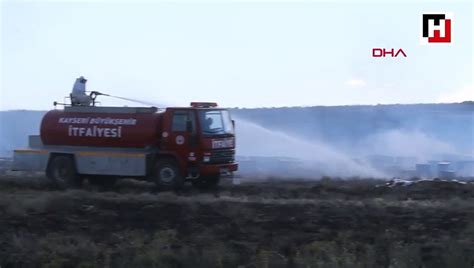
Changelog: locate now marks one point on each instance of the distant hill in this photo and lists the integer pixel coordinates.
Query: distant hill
(343, 127)
(15, 126)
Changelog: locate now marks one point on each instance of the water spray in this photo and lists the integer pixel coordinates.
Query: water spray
(134, 100)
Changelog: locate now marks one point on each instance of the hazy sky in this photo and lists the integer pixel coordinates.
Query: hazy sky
(240, 54)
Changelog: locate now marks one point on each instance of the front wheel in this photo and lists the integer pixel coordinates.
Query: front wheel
(167, 175)
(62, 173)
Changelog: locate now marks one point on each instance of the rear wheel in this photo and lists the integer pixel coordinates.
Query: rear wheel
(62, 172)
(167, 175)
(206, 182)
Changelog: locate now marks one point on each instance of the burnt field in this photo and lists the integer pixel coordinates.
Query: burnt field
(326, 223)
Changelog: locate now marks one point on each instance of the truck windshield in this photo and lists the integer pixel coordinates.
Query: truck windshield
(216, 122)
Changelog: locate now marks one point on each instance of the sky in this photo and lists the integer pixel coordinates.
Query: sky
(237, 53)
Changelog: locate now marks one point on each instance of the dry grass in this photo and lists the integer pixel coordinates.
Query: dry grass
(329, 223)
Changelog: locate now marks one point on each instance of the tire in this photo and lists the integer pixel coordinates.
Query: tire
(167, 175)
(62, 173)
(206, 182)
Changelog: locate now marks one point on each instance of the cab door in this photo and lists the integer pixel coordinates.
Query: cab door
(182, 133)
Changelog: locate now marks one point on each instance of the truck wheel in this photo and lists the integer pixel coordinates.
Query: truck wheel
(206, 182)
(167, 175)
(62, 173)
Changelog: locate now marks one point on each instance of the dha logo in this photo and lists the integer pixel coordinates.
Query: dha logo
(436, 28)
(383, 52)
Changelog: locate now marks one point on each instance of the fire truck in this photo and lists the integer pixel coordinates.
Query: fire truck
(102, 144)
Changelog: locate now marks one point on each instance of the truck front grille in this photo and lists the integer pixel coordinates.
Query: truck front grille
(222, 156)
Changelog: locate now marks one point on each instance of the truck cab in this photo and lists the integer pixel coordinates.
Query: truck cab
(202, 138)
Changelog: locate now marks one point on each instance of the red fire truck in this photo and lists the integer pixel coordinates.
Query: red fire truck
(101, 144)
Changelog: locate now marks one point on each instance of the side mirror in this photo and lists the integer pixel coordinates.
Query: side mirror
(233, 123)
(189, 126)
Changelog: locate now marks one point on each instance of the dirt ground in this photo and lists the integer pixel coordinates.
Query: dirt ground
(272, 223)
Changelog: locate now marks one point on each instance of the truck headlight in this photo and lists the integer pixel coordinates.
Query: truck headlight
(206, 159)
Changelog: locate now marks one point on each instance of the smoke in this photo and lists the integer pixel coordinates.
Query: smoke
(317, 158)
(382, 155)
(3, 148)
(407, 143)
